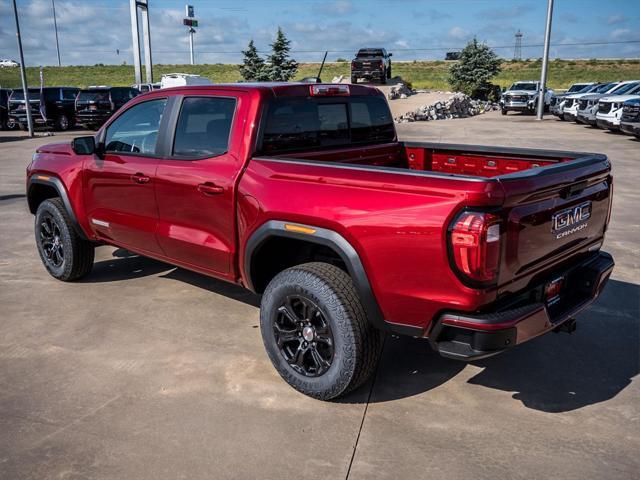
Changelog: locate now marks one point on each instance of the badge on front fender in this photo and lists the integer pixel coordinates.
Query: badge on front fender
(571, 220)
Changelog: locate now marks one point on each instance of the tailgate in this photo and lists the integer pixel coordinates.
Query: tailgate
(553, 214)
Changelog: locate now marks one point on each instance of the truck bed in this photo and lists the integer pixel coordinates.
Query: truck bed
(449, 159)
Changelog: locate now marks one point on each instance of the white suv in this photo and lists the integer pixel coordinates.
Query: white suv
(610, 108)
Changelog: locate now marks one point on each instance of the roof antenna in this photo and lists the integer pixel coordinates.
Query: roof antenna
(321, 67)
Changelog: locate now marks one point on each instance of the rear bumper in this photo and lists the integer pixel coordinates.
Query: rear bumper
(94, 118)
(464, 336)
(373, 73)
(36, 117)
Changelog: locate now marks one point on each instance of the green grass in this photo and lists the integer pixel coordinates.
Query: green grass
(431, 75)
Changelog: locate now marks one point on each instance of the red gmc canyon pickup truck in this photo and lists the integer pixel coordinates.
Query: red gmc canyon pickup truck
(303, 193)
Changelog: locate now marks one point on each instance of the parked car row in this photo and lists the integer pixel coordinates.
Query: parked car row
(612, 106)
(63, 107)
(91, 107)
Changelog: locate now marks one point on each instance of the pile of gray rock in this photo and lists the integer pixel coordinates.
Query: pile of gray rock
(458, 106)
(399, 90)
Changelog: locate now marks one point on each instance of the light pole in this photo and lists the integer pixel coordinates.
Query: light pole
(23, 74)
(55, 27)
(191, 32)
(545, 60)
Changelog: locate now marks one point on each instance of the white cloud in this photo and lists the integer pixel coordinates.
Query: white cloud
(458, 33)
(616, 19)
(336, 7)
(621, 34)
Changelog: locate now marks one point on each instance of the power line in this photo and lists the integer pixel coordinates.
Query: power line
(431, 49)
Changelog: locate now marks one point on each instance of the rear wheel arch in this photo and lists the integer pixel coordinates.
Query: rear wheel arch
(261, 264)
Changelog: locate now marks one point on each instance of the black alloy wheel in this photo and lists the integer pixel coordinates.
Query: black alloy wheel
(304, 337)
(51, 241)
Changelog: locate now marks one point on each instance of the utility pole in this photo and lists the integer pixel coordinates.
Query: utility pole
(23, 74)
(55, 27)
(146, 33)
(136, 40)
(517, 51)
(545, 60)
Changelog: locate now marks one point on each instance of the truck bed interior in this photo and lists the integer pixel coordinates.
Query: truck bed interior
(465, 160)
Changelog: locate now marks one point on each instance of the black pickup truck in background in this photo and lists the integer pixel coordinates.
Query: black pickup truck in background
(95, 105)
(371, 64)
(58, 107)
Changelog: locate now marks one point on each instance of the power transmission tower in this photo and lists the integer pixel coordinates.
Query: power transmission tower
(517, 51)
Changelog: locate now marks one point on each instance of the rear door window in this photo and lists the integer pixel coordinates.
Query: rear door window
(203, 128)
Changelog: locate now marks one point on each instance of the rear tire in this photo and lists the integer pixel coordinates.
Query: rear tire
(315, 331)
(62, 123)
(503, 111)
(354, 79)
(383, 78)
(65, 255)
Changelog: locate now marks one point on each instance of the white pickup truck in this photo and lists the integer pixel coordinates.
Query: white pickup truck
(523, 97)
(585, 107)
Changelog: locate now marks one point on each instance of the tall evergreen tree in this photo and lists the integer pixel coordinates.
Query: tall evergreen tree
(253, 67)
(478, 64)
(281, 68)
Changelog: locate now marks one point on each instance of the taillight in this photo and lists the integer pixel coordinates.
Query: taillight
(329, 90)
(474, 239)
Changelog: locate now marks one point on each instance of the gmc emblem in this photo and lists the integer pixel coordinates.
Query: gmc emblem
(571, 217)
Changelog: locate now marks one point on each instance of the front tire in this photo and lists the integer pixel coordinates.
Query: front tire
(65, 255)
(315, 331)
(503, 111)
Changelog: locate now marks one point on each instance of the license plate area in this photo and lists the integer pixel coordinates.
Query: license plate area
(553, 290)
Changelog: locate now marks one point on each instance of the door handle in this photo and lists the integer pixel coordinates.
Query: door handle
(140, 178)
(209, 188)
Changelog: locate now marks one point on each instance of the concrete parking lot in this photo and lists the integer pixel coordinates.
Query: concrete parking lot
(146, 371)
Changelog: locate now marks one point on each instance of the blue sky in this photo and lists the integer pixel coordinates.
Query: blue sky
(91, 31)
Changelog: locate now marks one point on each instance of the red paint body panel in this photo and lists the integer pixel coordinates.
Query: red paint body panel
(395, 216)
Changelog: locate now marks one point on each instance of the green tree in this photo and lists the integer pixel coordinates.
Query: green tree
(280, 67)
(253, 67)
(478, 64)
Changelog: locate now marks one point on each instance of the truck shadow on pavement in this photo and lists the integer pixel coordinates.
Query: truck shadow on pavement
(553, 373)
(127, 265)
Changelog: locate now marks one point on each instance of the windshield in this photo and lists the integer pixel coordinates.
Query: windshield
(296, 124)
(604, 88)
(622, 89)
(19, 95)
(579, 88)
(524, 86)
(93, 96)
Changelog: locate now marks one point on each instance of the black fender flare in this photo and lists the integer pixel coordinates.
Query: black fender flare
(57, 184)
(347, 253)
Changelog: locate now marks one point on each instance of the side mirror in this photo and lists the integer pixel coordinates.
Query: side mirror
(84, 145)
(391, 54)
